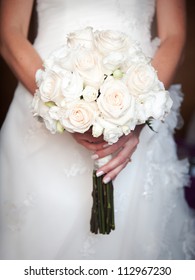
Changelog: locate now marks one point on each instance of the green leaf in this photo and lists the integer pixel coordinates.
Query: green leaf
(149, 123)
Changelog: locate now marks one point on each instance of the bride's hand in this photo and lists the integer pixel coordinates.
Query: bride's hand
(89, 142)
(123, 150)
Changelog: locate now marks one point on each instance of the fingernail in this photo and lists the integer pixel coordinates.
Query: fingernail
(106, 180)
(100, 173)
(95, 156)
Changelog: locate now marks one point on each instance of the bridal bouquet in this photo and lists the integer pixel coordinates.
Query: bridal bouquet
(99, 81)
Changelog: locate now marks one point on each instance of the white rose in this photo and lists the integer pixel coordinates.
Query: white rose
(56, 112)
(161, 105)
(156, 105)
(112, 134)
(108, 41)
(115, 103)
(83, 38)
(61, 57)
(88, 65)
(79, 116)
(90, 94)
(50, 124)
(50, 87)
(39, 109)
(97, 129)
(141, 78)
(38, 106)
(113, 61)
(72, 86)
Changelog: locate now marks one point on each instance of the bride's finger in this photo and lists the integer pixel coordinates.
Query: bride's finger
(88, 137)
(92, 146)
(131, 140)
(123, 156)
(114, 172)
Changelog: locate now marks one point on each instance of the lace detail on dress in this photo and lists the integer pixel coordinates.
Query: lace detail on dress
(36, 126)
(88, 248)
(79, 167)
(16, 212)
(189, 239)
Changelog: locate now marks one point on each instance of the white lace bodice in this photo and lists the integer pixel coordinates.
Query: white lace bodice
(56, 18)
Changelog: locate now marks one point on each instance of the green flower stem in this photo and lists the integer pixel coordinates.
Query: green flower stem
(112, 207)
(108, 220)
(102, 213)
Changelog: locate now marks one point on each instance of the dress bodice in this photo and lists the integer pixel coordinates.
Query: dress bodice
(56, 18)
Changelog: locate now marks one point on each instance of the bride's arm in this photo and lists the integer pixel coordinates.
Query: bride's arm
(171, 31)
(171, 27)
(17, 51)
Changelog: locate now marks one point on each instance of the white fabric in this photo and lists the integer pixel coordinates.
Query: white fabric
(46, 184)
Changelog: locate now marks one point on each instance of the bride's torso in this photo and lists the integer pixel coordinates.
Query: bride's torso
(56, 18)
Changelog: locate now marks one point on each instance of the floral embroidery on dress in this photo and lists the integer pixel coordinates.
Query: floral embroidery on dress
(16, 212)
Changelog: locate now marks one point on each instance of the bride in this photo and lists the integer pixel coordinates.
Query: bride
(45, 179)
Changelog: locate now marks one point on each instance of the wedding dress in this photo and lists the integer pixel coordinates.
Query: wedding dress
(46, 182)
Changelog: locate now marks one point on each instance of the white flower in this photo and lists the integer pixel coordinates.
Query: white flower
(90, 94)
(115, 103)
(72, 85)
(50, 87)
(112, 134)
(97, 130)
(113, 61)
(39, 109)
(111, 131)
(62, 57)
(141, 78)
(156, 105)
(83, 38)
(100, 80)
(79, 116)
(126, 129)
(38, 105)
(56, 112)
(88, 65)
(108, 41)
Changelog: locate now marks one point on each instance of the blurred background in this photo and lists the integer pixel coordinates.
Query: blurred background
(185, 137)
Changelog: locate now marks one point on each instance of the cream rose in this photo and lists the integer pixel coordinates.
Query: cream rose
(88, 65)
(50, 87)
(83, 38)
(79, 116)
(141, 78)
(108, 41)
(115, 103)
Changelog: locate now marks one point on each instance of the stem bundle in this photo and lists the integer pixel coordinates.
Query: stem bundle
(102, 213)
